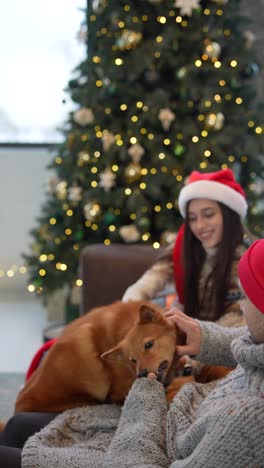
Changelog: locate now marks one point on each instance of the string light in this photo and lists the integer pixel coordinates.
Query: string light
(231, 158)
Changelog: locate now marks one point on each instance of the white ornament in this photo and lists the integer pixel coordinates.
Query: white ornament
(250, 38)
(168, 237)
(83, 80)
(107, 179)
(83, 116)
(52, 184)
(82, 34)
(75, 193)
(129, 233)
(136, 152)
(108, 140)
(187, 6)
(99, 5)
(166, 116)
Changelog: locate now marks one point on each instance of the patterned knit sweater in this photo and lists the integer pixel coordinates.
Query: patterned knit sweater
(217, 425)
(160, 276)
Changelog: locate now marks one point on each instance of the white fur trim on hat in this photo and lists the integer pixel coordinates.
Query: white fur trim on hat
(212, 191)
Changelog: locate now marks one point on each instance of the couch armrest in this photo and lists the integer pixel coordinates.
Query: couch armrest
(107, 271)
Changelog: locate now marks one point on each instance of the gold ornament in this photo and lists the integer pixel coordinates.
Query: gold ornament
(214, 121)
(83, 158)
(128, 39)
(70, 140)
(133, 172)
(91, 210)
(61, 190)
(44, 232)
(213, 50)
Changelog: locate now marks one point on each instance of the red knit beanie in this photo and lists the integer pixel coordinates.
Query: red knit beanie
(251, 273)
(219, 186)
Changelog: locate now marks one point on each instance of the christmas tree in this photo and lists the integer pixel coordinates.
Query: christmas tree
(167, 87)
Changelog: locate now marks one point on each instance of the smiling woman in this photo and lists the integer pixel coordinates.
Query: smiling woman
(204, 258)
(42, 51)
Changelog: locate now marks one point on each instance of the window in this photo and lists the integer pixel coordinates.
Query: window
(40, 49)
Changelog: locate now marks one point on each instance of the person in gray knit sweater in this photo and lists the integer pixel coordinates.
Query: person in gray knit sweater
(213, 205)
(215, 425)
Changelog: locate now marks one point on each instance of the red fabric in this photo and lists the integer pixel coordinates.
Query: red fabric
(38, 356)
(251, 273)
(224, 176)
(178, 264)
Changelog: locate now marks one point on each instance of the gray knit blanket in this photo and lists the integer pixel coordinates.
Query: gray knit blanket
(77, 438)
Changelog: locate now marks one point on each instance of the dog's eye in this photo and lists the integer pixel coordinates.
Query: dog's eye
(133, 360)
(149, 344)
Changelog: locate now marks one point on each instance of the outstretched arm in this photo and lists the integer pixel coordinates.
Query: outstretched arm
(140, 440)
(152, 281)
(206, 341)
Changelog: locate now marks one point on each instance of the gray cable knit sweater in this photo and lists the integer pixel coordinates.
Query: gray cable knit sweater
(217, 425)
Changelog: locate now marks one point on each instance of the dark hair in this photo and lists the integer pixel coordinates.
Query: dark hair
(194, 256)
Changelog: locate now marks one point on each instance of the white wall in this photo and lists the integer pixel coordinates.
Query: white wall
(23, 176)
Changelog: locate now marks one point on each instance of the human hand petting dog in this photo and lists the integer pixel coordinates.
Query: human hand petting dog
(192, 330)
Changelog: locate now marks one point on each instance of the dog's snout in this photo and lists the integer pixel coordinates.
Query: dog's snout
(143, 373)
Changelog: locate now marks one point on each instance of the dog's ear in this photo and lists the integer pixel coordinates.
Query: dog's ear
(114, 354)
(148, 315)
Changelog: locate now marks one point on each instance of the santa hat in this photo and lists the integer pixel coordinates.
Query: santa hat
(251, 273)
(219, 186)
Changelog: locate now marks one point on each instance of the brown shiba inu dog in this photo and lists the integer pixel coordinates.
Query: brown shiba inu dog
(99, 355)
